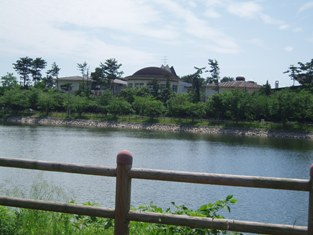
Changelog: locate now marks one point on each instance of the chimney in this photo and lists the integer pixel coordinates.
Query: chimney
(240, 78)
(276, 84)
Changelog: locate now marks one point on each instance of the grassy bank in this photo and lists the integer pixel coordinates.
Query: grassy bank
(33, 222)
(17, 221)
(262, 125)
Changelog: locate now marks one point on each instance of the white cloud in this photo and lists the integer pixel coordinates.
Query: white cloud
(297, 29)
(244, 9)
(253, 10)
(212, 13)
(211, 6)
(136, 32)
(62, 30)
(310, 39)
(258, 42)
(284, 26)
(288, 48)
(267, 19)
(305, 7)
(195, 26)
(129, 17)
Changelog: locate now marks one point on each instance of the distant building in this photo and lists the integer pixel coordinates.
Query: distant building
(162, 75)
(239, 84)
(74, 83)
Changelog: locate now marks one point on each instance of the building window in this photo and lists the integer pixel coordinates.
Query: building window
(162, 87)
(130, 85)
(150, 87)
(139, 84)
(174, 88)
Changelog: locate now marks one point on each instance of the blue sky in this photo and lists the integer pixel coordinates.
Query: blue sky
(258, 39)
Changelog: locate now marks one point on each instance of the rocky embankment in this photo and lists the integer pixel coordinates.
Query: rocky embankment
(158, 127)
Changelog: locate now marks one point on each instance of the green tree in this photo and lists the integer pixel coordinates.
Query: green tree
(129, 94)
(23, 67)
(261, 104)
(148, 106)
(304, 106)
(303, 73)
(33, 96)
(53, 75)
(283, 106)
(59, 99)
(166, 93)
(215, 73)
(187, 78)
(305, 76)
(46, 101)
(227, 79)
(291, 105)
(77, 104)
(84, 69)
(105, 98)
(178, 105)
(266, 89)
(197, 84)
(15, 100)
(111, 70)
(240, 106)
(216, 107)
(104, 75)
(38, 64)
(293, 71)
(98, 79)
(154, 88)
(118, 106)
(9, 81)
(195, 110)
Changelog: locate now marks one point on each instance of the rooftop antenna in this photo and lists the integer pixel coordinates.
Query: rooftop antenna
(165, 60)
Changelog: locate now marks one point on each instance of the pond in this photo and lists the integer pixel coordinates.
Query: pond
(287, 158)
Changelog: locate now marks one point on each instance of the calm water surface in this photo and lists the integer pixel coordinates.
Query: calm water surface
(157, 150)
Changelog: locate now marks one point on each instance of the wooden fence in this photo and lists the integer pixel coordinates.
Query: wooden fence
(124, 174)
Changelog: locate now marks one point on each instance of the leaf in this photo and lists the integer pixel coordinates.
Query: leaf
(203, 208)
(233, 201)
(229, 197)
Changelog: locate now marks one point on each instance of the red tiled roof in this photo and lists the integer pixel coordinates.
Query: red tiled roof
(237, 84)
(154, 73)
(71, 78)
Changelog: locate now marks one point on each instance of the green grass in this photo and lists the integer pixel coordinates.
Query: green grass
(18, 221)
(33, 222)
(289, 126)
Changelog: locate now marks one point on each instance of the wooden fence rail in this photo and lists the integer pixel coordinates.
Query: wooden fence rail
(124, 175)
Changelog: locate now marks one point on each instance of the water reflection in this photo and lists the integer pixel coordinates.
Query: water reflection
(170, 151)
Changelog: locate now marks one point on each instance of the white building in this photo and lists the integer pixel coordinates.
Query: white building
(239, 84)
(162, 75)
(77, 82)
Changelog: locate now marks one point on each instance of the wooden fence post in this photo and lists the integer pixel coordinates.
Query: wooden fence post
(123, 192)
(310, 215)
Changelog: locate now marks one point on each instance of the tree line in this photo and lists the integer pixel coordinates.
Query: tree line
(30, 73)
(267, 104)
(279, 106)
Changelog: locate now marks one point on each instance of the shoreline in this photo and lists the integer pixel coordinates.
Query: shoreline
(158, 127)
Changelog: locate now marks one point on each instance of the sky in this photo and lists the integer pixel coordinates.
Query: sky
(257, 39)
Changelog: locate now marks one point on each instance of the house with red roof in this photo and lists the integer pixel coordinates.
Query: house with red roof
(163, 75)
(239, 83)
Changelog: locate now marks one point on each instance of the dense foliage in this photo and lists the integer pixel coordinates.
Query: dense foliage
(279, 106)
(303, 73)
(36, 93)
(25, 221)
